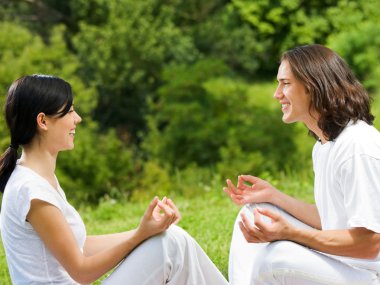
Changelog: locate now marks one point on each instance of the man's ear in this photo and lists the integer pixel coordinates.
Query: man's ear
(42, 121)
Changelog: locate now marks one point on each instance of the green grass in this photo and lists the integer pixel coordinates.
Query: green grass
(4, 276)
(209, 219)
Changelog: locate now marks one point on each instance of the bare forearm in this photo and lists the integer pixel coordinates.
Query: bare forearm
(305, 212)
(93, 267)
(97, 243)
(357, 242)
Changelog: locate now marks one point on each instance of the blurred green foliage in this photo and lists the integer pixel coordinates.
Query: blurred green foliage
(176, 95)
(204, 117)
(101, 164)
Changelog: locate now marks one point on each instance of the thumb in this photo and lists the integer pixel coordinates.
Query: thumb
(152, 206)
(241, 184)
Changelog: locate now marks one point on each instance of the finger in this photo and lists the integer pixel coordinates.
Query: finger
(171, 204)
(252, 230)
(245, 233)
(246, 221)
(168, 213)
(172, 218)
(228, 191)
(231, 193)
(157, 210)
(250, 236)
(251, 227)
(151, 208)
(176, 211)
(233, 188)
(249, 178)
(258, 222)
(241, 185)
(165, 208)
(156, 213)
(270, 214)
(238, 199)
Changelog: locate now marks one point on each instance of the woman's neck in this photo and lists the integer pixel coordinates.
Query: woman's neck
(40, 161)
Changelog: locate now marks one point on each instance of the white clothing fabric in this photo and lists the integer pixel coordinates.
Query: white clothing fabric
(29, 260)
(347, 182)
(347, 195)
(347, 173)
(172, 258)
(285, 262)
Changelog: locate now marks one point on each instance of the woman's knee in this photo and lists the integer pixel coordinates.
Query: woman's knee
(176, 235)
(175, 241)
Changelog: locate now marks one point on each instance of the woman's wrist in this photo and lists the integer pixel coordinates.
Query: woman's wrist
(139, 236)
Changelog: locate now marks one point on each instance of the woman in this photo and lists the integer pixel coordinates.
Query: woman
(280, 240)
(44, 237)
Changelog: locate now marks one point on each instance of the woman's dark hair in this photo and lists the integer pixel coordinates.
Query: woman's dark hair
(27, 97)
(335, 93)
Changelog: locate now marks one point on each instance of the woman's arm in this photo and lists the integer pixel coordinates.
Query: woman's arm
(54, 231)
(355, 242)
(261, 191)
(97, 243)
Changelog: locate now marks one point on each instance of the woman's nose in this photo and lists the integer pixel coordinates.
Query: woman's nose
(78, 118)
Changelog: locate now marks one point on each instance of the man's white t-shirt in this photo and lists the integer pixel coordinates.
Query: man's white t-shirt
(347, 183)
(29, 260)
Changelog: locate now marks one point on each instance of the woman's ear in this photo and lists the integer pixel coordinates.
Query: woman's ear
(41, 121)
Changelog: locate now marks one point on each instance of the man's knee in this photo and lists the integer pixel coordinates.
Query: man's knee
(274, 260)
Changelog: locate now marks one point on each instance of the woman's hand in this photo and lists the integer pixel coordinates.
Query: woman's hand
(260, 231)
(158, 213)
(259, 190)
(158, 217)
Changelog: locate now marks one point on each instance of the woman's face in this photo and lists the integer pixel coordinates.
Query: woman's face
(62, 130)
(292, 95)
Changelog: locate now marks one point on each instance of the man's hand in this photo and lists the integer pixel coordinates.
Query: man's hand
(250, 189)
(260, 231)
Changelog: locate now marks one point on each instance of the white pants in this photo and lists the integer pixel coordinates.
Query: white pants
(285, 262)
(172, 258)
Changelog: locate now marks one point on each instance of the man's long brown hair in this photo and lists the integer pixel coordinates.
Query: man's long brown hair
(336, 95)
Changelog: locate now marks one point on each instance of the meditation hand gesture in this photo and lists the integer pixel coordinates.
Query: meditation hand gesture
(158, 217)
(277, 229)
(260, 191)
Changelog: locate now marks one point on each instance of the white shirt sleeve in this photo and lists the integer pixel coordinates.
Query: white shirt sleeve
(360, 183)
(34, 190)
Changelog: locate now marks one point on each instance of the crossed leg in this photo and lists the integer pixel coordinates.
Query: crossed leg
(285, 262)
(172, 258)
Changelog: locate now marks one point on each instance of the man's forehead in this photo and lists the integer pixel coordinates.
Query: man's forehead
(284, 71)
